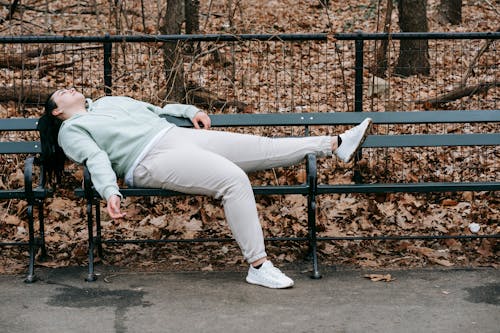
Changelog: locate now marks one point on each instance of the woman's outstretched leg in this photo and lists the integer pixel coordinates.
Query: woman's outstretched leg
(252, 152)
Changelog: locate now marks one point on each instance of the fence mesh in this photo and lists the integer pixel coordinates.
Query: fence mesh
(262, 76)
(250, 76)
(455, 65)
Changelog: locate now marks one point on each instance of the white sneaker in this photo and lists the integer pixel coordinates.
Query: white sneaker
(352, 140)
(268, 276)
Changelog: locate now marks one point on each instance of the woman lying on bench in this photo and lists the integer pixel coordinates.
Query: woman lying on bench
(123, 137)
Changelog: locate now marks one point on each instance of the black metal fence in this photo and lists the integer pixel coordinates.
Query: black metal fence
(262, 73)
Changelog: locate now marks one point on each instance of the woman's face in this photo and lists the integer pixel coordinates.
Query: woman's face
(67, 99)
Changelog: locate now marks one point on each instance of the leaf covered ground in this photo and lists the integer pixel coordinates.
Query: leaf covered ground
(338, 215)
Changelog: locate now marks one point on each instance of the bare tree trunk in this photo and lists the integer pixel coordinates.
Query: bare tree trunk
(174, 64)
(451, 11)
(413, 54)
(177, 89)
(381, 53)
(192, 16)
(192, 8)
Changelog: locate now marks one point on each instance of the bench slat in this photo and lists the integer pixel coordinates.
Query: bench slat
(302, 119)
(281, 189)
(18, 124)
(414, 187)
(24, 147)
(19, 193)
(338, 188)
(345, 118)
(135, 192)
(432, 140)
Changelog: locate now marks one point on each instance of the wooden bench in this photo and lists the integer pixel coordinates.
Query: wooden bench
(34, 194)
(310, 188)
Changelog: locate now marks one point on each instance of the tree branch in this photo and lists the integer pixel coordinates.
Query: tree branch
(25, 60)
(12, 9)
(458, 93)
(483, 49)
(25, 93)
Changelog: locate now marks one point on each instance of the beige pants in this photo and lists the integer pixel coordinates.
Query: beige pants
(215, 163)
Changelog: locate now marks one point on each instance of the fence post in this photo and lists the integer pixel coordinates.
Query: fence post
(358, 91)
(108, 69)
(358, 67)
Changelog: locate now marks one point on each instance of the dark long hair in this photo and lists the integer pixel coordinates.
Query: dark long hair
(52, 157)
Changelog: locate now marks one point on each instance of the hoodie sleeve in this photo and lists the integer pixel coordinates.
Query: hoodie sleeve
(79, 146)
(176, 110)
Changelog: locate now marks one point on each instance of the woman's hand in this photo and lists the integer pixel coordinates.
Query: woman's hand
(201, 118)
(113, 207)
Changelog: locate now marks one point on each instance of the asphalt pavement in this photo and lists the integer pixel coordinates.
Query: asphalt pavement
(344, 300)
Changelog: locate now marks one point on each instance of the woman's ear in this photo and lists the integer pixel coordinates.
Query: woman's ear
(56, 112)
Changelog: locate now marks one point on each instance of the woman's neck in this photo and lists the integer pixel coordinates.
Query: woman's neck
(67, 114)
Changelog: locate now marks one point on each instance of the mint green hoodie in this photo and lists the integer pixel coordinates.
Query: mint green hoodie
(112, 134)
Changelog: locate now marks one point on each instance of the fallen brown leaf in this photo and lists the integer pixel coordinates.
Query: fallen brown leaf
(379, 277)
(442, 262)
(12, 220)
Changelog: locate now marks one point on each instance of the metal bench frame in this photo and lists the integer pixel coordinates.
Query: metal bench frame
(34, 194)
(311, 188)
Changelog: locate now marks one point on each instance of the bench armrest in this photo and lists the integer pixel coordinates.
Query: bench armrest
(34, 191)
(28, 179)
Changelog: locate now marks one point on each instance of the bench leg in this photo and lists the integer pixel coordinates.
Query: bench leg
(42, 230)
(90, 224)
(98, 230)
(32, 247)
(312, 180)
(311, 208)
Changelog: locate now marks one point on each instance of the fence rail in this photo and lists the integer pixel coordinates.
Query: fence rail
(240, 37)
